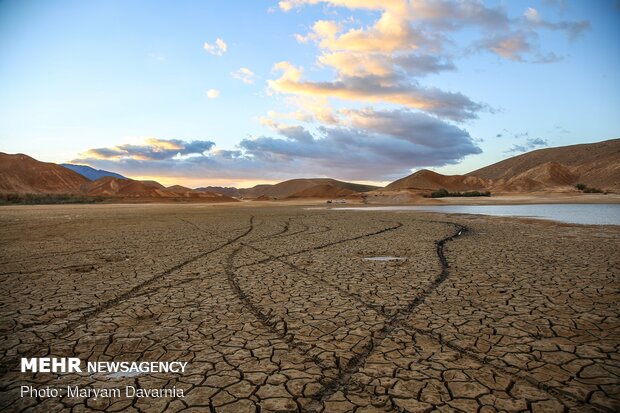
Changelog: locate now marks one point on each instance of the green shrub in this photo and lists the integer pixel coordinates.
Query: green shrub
(588, 190)
(440, 193)
(443, 193)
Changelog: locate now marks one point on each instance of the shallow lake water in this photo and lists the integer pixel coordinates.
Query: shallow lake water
(590, 214)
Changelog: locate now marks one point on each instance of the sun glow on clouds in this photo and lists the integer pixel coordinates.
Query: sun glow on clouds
(374, 118)
(213, 93)
(152, 149)
(193, 182)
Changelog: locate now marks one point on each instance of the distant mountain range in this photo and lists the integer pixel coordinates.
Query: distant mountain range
(91, 173)
(544, 170)
(109, 186)
(22, 174)
(304, 188)
(295, 188)
(550, 169)
(228, 191)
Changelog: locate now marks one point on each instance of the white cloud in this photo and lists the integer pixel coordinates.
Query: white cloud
(244, 74)
(532, 15)
(218, 48)
(213, 93)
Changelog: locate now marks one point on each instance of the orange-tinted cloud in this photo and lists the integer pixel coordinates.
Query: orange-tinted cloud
(152, 149)
(392, 89)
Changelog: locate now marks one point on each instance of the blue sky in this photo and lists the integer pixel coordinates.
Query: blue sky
(373, 91)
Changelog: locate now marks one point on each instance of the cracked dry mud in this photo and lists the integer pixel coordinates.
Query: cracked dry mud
(275, 309)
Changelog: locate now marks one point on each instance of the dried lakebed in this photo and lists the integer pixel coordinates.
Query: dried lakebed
(278, 309)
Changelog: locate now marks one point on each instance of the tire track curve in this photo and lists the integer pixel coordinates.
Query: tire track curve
(397, 321)
(10, 363)
(275, 325)
(320, 247)
(353, 366)
(278, 325)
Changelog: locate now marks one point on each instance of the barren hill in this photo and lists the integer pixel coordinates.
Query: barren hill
(129, 188)
(552, 169)
(228, 191)
(153, 184)
(179, 189)
(548, 176)
(110, 186)
(594, 164)
(323, 191)
(185, 192)
(20, 173)
(429, 180)
(294, 186)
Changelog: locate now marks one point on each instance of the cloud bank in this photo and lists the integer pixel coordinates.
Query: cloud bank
(368, 143)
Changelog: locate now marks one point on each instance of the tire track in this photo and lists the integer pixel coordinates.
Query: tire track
(285, 232)
(282, 233)
(341, 290)
(321, 229)
(9, 363)
(278, 325)
(288, 233)
(129, 294)
(320, 247)
(356, 362)
(519, 377)
(275, 325)
(397, 321)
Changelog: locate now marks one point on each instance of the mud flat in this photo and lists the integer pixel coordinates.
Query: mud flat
(277, 309)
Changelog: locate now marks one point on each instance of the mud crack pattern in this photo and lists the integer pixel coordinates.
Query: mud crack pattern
(275, 309)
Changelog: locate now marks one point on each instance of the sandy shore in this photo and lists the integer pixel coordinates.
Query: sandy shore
(391, 197)
(278, 309)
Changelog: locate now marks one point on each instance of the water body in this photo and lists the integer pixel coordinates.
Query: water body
(589, 214)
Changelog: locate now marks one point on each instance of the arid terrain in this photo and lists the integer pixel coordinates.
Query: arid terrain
(279, 309)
